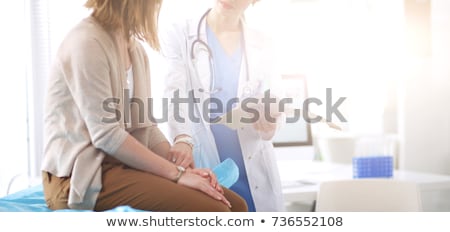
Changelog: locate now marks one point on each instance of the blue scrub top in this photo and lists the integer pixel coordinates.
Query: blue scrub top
(227, 71)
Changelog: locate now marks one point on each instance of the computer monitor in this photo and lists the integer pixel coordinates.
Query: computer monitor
(294, 140)
(296, 133)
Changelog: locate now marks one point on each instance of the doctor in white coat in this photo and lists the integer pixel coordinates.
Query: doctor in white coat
(217, 56)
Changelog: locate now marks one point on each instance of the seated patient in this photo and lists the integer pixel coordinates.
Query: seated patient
(101, 151)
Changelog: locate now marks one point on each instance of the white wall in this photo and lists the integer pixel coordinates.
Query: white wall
(441, 84)
(425, 108)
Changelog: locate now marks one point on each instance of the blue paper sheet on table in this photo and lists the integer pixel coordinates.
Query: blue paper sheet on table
(32, 199)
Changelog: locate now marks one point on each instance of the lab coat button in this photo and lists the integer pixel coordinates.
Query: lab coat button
(256, 187)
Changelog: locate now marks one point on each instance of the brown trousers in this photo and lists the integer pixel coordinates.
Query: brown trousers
(123, 185)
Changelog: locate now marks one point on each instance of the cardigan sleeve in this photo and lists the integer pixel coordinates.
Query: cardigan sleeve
(88, 74)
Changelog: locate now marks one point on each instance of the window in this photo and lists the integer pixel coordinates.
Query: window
(13, 136)
(28, 46)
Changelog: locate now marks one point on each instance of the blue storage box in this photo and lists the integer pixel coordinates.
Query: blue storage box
(372, 167)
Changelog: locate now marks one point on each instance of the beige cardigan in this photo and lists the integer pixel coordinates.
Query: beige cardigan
(80, 127)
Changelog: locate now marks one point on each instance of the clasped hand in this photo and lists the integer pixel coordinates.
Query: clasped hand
(201, 179)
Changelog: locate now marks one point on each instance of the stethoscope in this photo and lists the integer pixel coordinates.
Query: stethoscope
(247, 91)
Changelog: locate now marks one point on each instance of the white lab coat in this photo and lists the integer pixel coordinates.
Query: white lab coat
(259, 157)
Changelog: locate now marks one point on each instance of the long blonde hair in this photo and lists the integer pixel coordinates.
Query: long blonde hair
(137, 17)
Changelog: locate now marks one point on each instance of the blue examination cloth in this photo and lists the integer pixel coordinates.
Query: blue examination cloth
(227, 69)
(32, 199)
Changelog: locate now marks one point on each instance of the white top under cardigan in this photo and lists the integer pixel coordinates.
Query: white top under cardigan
(130, 81)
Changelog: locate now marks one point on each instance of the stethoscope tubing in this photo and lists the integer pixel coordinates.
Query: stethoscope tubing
(198, 40)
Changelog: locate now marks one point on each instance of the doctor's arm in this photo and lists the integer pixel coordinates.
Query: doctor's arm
(271, 118)
(173, 47)
(136, 155)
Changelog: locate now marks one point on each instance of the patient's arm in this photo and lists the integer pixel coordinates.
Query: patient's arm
(162, 149)
(136, 155)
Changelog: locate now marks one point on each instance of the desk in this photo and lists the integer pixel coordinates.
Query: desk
(301, 179)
